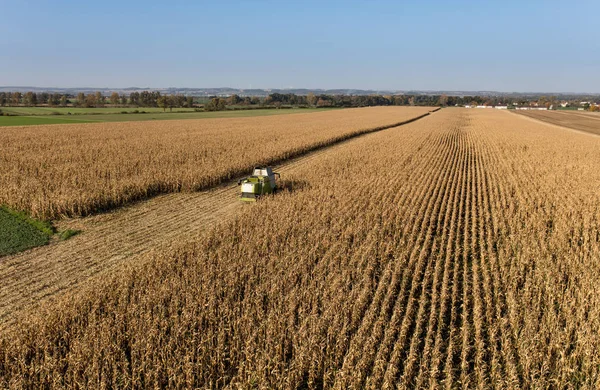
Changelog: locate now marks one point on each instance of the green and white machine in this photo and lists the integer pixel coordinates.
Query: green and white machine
(262, 182)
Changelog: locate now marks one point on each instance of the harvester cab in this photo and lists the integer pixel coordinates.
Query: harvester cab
(263, 181)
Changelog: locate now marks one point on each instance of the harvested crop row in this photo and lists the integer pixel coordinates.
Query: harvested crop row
(50, 171)
(460, 250)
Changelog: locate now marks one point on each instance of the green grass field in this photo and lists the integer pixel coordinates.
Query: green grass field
(37, 120)
(83, 111)
(19, 232)
(57, 119)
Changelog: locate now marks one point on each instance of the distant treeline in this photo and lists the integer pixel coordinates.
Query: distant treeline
(411, 100)
(32, 99)
(275, 100)
(342, 101)
(139, 99)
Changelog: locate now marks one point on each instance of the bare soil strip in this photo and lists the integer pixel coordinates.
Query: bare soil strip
(572, 120)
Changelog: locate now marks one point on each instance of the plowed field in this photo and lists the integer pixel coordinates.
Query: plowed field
(583, 121)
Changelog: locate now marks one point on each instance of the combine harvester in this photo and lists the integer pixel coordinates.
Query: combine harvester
(261, 182)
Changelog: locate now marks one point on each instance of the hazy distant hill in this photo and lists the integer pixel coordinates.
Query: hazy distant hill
(297, 91)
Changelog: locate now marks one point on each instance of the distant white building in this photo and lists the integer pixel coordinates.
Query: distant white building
(498, 107)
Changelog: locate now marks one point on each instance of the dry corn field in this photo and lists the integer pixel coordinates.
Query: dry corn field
(110, 239)
(57, 170)
(458, 251)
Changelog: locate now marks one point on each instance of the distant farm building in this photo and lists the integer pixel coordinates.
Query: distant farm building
(496, 107)
(502, 107)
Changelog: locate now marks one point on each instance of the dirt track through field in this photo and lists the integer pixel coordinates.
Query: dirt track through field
(111, 239)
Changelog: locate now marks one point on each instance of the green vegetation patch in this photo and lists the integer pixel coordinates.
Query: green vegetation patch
(19, 232)
(22, 120)
(194, 115)
(38, 120)
(83, 110)
(66, 234)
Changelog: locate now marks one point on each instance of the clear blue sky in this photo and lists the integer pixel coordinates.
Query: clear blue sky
(526, 45)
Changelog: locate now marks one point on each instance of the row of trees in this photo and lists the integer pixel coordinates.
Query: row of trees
(155, 99)
(416, 100)
(313, 100)
(386, 100)
(32, 99)
(140, 99)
